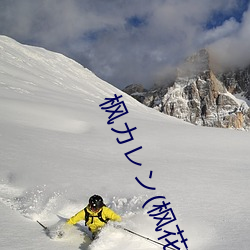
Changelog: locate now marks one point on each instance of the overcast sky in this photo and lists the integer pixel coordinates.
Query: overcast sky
(131, 41)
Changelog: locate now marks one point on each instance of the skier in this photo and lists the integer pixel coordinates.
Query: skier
(95, 214)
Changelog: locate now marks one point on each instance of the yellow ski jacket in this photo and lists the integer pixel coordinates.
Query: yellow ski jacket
(94, 223)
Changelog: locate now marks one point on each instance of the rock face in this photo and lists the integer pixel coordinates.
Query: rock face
(201, 97)
(237, 81)
(137, 91)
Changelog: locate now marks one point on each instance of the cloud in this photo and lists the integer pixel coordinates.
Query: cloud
(121, 41)
(233, 49)
(228, 28)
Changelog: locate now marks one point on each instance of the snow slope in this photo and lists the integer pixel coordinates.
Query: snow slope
(57, 149)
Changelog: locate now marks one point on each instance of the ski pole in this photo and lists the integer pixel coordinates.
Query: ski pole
(45, 228)
(146, 238)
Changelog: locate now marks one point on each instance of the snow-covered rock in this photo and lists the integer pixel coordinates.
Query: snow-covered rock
(199, 97)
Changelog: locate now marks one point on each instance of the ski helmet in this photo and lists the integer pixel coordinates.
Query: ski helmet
(95, 202)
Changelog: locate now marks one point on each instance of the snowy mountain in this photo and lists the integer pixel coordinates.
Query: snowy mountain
(201, 95)
(57, 149)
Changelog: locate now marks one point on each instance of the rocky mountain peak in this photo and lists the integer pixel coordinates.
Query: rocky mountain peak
(196, 64)
(200, 96)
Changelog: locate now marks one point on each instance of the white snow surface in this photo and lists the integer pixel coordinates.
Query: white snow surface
(57, 150)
